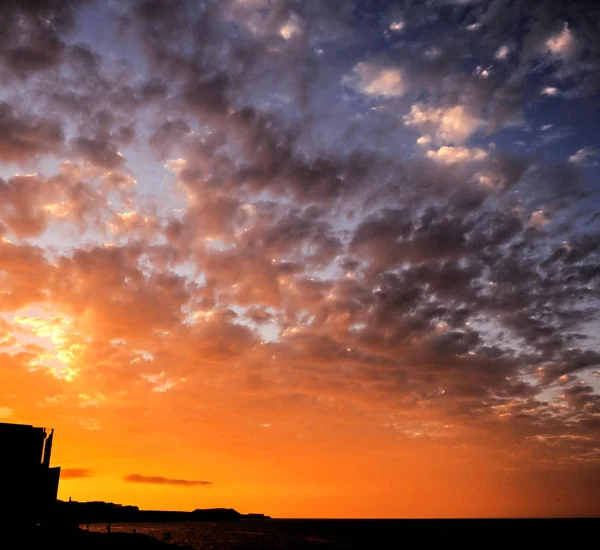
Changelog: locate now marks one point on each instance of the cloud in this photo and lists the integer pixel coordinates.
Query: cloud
(25, 272)
(562, 44)
(502, 52)
(445, 125)
(159, 480)
(127, 300)
(550, 91)
(371, 78)
(586, 156)
(292, 27)
(75, 473)
(99, 151)
(538, 218)
(23, 138)
(33, 39)
(31, 202)
(450, 155)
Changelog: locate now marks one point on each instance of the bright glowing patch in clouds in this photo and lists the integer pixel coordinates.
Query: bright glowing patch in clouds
(176, 165)
(538, 218)
(287, 31)
(451, 155)
(60, 343)
(373, 79)
(502, 52)
(446, 125)
(562, 44)
(291, 28)
(481, 72)
(549, 90)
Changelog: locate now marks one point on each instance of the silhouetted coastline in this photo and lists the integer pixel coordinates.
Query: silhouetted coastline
(78, 513)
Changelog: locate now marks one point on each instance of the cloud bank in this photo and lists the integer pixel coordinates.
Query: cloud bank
(326, 217)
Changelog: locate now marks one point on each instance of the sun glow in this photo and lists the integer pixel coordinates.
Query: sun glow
(57, 346)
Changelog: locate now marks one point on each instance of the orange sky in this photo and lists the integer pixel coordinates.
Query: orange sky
(285, 454)
(310, 259)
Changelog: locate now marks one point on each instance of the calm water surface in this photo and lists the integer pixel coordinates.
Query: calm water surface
(364, 534)
(225, 535)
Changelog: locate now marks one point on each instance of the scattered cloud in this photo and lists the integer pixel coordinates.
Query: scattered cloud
(75, 473)
(550, 91)
(538, 218)
(291, 28)
(502, 52)
(562, 44)
(371, 78)
(452, 155)
(453, 125)
(159, 480)
(24, 137)
(585, 156)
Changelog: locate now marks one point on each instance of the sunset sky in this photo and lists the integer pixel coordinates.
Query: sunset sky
(312, 258)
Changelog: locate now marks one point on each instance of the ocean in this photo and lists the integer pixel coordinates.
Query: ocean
(295, 534)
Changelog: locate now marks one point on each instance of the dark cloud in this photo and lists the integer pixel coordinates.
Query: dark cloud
(159, 480)
(99, 151)
(30, 202)
(75, 473)
(25, 137)
(33, 36)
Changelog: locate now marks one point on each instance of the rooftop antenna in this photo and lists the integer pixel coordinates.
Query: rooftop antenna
(48, 449)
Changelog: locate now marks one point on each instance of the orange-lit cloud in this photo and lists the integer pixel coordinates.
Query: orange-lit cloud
(159, 480)
(75, 473)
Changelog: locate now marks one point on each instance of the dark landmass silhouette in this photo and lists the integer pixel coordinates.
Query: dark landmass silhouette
(107, 512)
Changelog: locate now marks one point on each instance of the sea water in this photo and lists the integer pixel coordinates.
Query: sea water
(295, 534)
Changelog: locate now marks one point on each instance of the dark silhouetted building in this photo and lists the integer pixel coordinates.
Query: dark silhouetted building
(28, 486)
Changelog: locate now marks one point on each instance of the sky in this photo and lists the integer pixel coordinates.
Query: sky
(307, 258)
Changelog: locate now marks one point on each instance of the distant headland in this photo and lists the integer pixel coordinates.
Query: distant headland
(108, 512)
